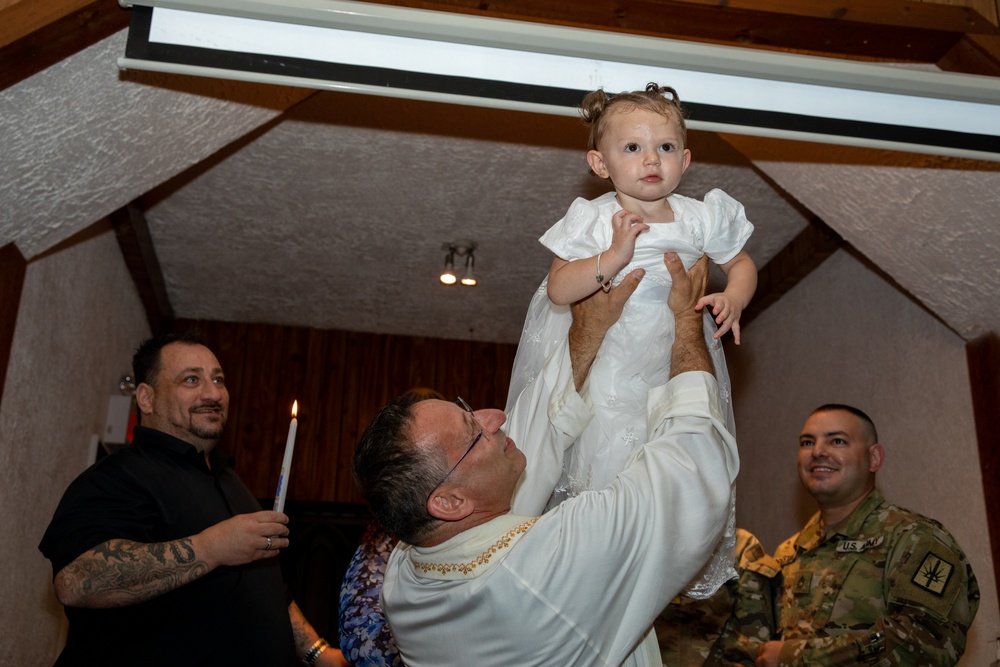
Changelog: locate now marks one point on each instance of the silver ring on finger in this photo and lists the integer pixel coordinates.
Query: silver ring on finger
(268, 547)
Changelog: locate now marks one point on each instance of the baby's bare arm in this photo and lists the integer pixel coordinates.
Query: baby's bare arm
(727, 306)
(571, 281)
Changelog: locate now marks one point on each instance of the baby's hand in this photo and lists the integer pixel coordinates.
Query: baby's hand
(726, 311)
(625, 228)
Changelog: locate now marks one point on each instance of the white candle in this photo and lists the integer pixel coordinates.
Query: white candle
(286, 463)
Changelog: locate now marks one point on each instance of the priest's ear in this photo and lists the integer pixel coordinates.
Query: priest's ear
(448, 503)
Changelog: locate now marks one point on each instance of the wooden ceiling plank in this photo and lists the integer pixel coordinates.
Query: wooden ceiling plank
(23, 17)
(973, 54)
(889, 30)
(902, 13)
(136, 244)
(899, 13)
(59, 39)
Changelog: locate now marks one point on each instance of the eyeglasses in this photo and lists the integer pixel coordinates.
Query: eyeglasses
(465, 406)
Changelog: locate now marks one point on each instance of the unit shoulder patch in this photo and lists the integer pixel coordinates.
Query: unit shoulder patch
(933, 574)
(930, 577)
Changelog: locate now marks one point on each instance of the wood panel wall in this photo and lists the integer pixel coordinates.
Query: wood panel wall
(983, 355)
(12, 272)
(340, 380)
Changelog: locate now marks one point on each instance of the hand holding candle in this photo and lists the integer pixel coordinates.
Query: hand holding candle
(286, 462)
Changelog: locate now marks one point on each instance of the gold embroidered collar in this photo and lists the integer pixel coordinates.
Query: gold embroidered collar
(473, 552)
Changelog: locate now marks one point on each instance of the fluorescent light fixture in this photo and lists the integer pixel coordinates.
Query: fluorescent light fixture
(455, 58)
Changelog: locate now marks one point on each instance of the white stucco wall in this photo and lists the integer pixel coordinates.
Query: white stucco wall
(845, 335)
(79, 320)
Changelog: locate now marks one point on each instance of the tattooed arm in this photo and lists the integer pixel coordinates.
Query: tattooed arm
(120, 572)
(306, 637)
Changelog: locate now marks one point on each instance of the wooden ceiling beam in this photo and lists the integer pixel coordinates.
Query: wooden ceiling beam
(983, 355)
(23, 17)
(791, 265)
(13, 268)
(136, 244)
(887, 30)
(973, 54)
(33, 49)
(905, 13)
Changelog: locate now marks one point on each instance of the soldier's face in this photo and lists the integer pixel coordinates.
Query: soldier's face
(837, 462)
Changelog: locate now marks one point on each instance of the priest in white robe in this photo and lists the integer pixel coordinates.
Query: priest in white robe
(474, 584)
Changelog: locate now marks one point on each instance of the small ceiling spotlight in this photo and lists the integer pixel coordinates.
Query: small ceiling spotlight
(448, 275)
(460, 249)
(470, 277)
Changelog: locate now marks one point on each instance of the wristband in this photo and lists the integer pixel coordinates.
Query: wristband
(605, 284)
(309, 659)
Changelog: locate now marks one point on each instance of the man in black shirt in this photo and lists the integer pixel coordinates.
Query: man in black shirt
(161, 554)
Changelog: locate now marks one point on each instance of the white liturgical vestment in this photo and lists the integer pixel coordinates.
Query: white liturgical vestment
(580, 585)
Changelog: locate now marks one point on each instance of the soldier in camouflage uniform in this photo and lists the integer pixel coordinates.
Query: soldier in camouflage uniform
(694, 633)
(865, 582)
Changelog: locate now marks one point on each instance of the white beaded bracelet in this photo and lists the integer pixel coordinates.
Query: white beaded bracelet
(605, 284)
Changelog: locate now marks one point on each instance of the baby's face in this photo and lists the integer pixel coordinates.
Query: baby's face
(643, 154)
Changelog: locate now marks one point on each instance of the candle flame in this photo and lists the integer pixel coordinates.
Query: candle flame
(295, 409)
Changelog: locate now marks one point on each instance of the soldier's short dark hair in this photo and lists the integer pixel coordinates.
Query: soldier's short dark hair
(866, 422)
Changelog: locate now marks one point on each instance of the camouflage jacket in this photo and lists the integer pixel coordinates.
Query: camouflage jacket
(692, 633)
(888, 587)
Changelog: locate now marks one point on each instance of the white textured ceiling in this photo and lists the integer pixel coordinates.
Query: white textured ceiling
(280, 205)
(335, 216)
(930, 223)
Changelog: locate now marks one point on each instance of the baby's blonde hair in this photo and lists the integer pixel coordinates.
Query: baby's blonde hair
(598, 106)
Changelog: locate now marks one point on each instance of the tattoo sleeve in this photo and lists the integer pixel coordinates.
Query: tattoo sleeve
(303, 633)
(118, 573)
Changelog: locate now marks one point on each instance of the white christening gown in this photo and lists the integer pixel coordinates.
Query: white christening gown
(635, 354)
